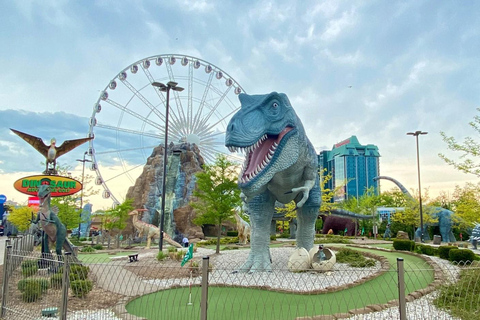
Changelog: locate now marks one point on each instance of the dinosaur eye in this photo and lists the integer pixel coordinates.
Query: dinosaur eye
(275, 105)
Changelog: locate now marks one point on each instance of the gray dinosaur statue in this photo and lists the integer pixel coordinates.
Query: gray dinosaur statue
(443, 215)
(280, 165)
(54, 229)
(475, 237)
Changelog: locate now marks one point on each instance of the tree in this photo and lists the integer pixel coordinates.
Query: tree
(116, 218)
(470, 150)
(217, 194)
(22, 217)
(466, 204)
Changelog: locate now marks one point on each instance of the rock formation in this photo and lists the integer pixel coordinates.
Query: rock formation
(183, 161)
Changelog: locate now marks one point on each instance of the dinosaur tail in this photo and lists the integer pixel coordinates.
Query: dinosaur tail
(399, 185)
(349, 214)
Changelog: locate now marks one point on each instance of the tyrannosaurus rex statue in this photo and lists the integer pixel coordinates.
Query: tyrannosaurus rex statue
(280, 165)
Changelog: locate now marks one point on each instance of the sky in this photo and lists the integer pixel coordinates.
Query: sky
(373, 69)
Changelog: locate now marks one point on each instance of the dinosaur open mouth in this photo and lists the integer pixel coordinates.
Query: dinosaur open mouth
(259, 154)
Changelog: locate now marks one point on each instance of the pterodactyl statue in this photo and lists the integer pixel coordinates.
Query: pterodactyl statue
(51, 152)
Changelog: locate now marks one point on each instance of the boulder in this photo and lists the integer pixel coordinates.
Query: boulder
(402, 235)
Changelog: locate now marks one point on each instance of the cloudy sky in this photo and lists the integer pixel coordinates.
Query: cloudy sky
(374, 69)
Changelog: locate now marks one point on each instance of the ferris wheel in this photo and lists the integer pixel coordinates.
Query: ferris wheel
(128, 119)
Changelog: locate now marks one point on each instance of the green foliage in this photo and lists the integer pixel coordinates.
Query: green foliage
(87, 249)
(56, 280)
(284, 235)
(225, 240)
(116, 218)
(217, 194)
(425, 249)
(444, 251)
(232, 233)
(80, 288)
(172, 249)
(79, 272)
(29, 267)
(31, 293)
(21, 217)
(273, 237)
(404, 245)
(41, 283)
(469, 149)
(461, 255)
(460, 298)
(98, 247)
(354, 258)
(319, 225)
(229, 248)
(332, 238)
(161, 256)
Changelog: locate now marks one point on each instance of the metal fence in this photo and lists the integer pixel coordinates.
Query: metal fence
(398, 285)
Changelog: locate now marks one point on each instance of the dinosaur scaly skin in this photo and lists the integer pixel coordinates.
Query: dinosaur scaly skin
(55, 230)
(280, 165)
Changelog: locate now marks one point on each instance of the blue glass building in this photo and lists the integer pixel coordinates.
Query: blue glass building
(352, 166)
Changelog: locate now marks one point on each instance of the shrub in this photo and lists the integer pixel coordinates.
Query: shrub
(354, 258)
(444, 251)
(284, 234)
(29, 267)
(172, 249)
(229, 248)
(404, 245)
(161, 256)
(31, 293)
(83, 239)
(461, 255)
(78, 272)
(41, 283)
(329, 238)
(87, 249)
(98, 247)
(56, 281)
(273, 237)
(80, 288)
(232, 233)
(425, 249)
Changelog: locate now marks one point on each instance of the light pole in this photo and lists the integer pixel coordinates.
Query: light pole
(81, 194)
(165, 88)
(416, 134)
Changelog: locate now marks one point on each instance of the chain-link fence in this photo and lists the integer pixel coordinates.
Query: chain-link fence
(137, 285)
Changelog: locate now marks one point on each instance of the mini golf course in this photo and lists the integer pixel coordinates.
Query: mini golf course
(250, 303)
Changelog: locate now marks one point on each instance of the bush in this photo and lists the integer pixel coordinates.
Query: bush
(161, 256)
(284, 235)
(98, 247)
(87, 249)
(78, 272)
(83, 239)
(29, 267)
(80, 288)
(444, 251)
(403, 245)
(354, 258)
(41, 283)
(273, 237)
(425, 249)
(31, 293)
(232, 233)
(330, 238)
(56, 281)
(461, 255)
(229, 248)
(172, 249)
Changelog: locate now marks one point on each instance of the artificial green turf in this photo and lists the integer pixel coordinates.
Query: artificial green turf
(248, 303)
(101, 257)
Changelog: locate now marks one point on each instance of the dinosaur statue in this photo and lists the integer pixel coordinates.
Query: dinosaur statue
(475, 237)
(54, 229)
(51, 152)
(243, 228)
(443, 215)
(149, 230)
(280, 165)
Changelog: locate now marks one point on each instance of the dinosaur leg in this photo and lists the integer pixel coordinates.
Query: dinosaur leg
(261, 210)
(58, 247)
(306, 217)
(149, 239)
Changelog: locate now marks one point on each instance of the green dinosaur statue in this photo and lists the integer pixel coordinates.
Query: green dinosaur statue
(54, 229)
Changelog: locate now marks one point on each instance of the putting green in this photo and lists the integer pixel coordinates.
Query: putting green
(102, 257)
(249, 303)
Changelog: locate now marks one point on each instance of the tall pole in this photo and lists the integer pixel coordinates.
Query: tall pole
(165, 88)
(81, 194)
(416, 134)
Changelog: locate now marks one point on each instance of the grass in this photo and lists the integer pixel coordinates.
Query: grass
(102, 257)
(249, 303)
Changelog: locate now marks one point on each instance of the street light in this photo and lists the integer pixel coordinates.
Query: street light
(165, 88)
(81, 194)
(416, 134)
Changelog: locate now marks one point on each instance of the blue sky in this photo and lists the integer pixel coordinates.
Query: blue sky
(374, 69)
